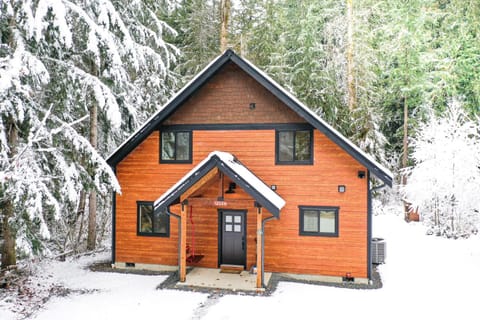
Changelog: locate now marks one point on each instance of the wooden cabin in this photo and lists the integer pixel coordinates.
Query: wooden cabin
(234, 170)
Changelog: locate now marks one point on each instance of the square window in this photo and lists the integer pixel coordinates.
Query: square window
(294, 147)
(319, 221)
(150, 222)
(176, 146)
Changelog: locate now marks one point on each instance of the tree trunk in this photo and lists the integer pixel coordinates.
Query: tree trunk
(224, 16)
(352, 100)
(80, 216)
(9, 237)
(405, 138)
(92, 200)
(8, 252)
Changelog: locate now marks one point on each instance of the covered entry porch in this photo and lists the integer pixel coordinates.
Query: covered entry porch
(221, 208)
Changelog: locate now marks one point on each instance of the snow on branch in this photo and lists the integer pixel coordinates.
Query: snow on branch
(445, 179)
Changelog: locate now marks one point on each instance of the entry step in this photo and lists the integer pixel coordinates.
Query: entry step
(231, 268)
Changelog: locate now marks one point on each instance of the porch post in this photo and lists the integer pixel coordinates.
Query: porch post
(183, 242)
(259, 247)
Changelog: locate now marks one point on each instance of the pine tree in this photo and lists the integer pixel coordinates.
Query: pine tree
(61, 60)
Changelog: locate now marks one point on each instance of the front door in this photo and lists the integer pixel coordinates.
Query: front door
(233, 242)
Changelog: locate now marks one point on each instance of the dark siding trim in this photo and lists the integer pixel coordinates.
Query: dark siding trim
(114, 222)
(369, 228)
(237, 126)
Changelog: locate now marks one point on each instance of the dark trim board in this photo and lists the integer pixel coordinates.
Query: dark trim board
(114, 222)
(369, 228)
(229, 56)
(237, 126)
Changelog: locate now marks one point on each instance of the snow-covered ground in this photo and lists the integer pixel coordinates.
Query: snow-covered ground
(425, 277)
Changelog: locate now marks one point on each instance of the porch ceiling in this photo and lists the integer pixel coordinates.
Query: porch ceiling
(206, 173)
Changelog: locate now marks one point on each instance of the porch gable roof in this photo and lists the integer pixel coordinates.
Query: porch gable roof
(235, 170)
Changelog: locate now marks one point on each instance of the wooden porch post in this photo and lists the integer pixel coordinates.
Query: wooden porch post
(183, 242)
(259, 247)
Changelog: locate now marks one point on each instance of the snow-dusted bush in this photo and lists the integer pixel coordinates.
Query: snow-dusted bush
(444, 182)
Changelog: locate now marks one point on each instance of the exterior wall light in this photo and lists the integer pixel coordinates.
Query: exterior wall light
(252, 106)
(342, 189)
(361, 174)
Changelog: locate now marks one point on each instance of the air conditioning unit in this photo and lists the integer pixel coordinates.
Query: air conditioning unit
(378, 250)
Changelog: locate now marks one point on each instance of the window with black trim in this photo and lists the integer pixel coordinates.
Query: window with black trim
(294, 147)
(176, 146)
(319, 221)
(151, 223)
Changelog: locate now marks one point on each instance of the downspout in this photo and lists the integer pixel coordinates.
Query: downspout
(179, 218)
(369, 225)
(263, 246)
(114, 222)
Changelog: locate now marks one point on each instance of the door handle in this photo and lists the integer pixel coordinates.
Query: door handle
(243, 243)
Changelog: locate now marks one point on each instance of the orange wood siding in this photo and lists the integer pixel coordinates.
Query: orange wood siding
(226, 99)
(143, 178)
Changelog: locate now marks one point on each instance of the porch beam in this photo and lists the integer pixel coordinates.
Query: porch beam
(215, 203)
(259, 247)
(200, 183)
(183, 243)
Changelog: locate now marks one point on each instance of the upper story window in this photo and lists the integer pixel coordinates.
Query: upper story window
(176, 147)
(294, 147)
(151, 223)
(319, 221)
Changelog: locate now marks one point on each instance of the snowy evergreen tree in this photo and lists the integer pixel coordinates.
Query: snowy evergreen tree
(444, 182)
(59, 61)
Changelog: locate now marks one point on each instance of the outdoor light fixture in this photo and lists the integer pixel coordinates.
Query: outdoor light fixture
(342, 188)
(231, 187)
(252, 105)
(361, 174)
(273, 187)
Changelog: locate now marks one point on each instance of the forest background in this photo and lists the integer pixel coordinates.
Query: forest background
(400, 78)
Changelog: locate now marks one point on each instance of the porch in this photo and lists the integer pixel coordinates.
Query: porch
(215, 279)
(213, 221)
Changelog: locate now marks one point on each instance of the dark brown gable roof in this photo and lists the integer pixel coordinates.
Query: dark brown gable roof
(229, 56)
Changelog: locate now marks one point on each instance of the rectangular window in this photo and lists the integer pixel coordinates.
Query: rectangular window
(151, 223)
(176, 146)
(319, 221)
(294, 147)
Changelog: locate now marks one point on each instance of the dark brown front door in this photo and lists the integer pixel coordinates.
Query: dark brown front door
(233, 242)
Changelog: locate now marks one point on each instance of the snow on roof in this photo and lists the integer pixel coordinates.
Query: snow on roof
(247, 175)
(234, 169)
